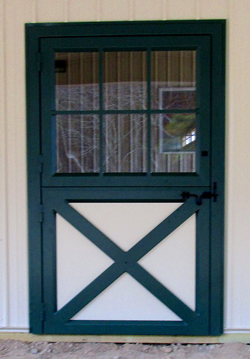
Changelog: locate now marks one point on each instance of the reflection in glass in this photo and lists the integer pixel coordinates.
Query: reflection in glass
(125, 143)
(125, 80)
(173, 142)
(77, 81)
(173, 80)
(77, 144)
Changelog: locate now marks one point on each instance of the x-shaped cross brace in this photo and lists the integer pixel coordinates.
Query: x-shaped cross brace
(126, 261)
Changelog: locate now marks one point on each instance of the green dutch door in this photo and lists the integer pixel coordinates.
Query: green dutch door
(130, 186)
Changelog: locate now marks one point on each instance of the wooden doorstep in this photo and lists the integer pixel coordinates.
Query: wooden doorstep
(226, 338)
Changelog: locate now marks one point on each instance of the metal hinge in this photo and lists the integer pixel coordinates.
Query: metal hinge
(39, 61)
(204, 195)
(41, 161)
(41, 213)
(42, 312)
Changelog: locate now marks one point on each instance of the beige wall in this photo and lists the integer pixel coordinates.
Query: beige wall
(13, 193)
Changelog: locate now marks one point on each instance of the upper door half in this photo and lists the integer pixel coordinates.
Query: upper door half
(126, 111)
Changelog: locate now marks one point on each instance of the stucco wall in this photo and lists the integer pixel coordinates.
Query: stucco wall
(13, 193)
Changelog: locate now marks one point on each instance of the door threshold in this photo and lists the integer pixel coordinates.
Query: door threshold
(225, 338)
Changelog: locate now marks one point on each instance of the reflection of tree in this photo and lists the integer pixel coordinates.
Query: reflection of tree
(124, 136)
(179, 124)
(167, 151)
(174, 128)
(77, 143)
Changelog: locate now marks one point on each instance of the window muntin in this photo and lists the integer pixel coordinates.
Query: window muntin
(125, 100)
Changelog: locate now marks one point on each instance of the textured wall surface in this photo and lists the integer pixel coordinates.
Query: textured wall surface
(13, 193)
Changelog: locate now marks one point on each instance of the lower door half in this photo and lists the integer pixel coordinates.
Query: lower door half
(125, 262)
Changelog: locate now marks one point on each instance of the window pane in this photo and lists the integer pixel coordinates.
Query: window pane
(77, 144)
(125, 80)
(125, 143)
(77, 81)
(173, 79)
(173, 142)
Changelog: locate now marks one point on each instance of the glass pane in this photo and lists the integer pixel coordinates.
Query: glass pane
(77, 81)
(173, 142)
(125, 80)
(173, 79)
(77, 144)
(125, 143)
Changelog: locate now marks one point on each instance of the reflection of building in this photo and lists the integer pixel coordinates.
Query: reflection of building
(125, 87)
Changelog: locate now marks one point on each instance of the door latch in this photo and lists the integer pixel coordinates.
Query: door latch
(204, 195)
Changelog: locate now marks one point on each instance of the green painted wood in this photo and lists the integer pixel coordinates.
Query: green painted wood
(89, 230)
(124, 262)
(54, 191)
(218, 177)
(163, 294)
(52, 45)
(34, 178)
(164, 229)
(172, 27)
(107, 112)
(89, 293)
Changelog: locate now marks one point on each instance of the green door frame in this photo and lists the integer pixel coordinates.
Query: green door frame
(36, 35)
